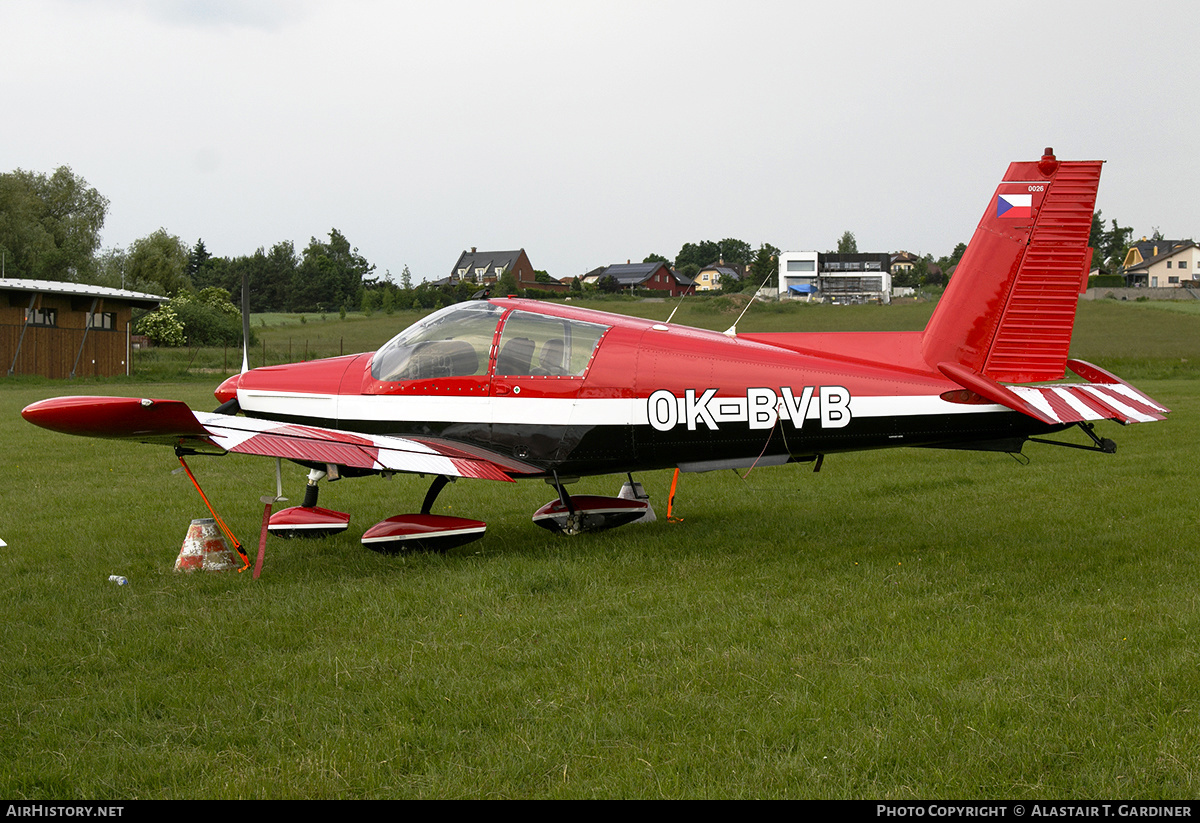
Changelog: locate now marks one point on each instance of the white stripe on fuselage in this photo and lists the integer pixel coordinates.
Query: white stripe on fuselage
(307, 405)
(543, 411)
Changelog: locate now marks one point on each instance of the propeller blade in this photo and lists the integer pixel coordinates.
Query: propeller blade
(245, 322)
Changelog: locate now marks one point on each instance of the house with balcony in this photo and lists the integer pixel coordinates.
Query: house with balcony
(1162, 264)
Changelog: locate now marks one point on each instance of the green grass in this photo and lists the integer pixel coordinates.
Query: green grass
(1190, 306)
(1137, 340)
(904, 624)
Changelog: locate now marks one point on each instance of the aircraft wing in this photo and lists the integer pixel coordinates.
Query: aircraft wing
(172, 422)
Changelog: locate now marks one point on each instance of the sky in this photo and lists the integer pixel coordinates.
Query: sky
(591, 133)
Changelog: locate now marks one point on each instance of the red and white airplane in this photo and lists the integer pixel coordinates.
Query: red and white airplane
(505, 389)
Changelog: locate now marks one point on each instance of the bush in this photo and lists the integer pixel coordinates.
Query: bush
(162, 327)
(203, 319)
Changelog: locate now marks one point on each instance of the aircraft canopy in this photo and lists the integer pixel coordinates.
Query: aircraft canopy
(457, 342)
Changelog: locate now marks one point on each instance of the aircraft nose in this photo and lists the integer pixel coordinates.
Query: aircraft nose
(228, 389)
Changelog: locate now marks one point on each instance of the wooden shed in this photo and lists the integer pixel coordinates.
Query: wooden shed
(60, 330)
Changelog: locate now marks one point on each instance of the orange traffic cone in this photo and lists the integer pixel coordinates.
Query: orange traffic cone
(205, 548)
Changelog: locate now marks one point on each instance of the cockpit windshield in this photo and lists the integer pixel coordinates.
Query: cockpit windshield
(453, 342)
(457, 342)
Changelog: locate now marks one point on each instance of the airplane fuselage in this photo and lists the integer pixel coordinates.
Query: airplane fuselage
(649, 395)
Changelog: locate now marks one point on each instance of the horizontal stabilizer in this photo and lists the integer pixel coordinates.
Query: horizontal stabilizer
(1106, 398)
(988, 389)
(1079, 402)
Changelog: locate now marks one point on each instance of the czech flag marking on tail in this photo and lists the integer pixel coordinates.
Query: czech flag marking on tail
(1014, 205)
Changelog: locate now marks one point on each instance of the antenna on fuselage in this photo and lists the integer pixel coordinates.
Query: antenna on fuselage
(732, 330)
(682, 295)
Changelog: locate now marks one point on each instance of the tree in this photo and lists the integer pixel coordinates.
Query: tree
(330, 275)
(734, 252)
(697, 254)
(655, 258)
(731, 283)
(50, 226)
(197, 259)
(955, 256)
(929, 272)
(1115, 245)
(1110, 246)
(1096, 235)
(904, 277)
(209, 317)
(157, 263)
(506, 285)
(371, 298)
(847, 244)
(764, 265)
(276, 277)
(110, 268)
(947, 264)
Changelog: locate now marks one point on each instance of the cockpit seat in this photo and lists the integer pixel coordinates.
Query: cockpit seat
(516, 357)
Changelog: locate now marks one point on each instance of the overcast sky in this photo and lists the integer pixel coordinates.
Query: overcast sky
(590, 133)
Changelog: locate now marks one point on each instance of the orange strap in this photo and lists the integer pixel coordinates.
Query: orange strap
(236, 543)
(671, 500)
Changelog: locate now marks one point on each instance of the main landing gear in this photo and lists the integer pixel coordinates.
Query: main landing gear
(309, 520)
(591, 512)
(437, 532)
(431, 532)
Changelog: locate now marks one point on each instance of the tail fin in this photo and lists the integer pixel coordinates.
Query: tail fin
(1009, 310)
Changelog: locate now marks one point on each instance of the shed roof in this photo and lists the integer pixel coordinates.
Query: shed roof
(80, 290)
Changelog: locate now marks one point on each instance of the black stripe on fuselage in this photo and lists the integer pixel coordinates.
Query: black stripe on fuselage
(608, 449)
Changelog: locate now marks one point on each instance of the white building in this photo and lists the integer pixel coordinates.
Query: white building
(798, 276)
(843, 278)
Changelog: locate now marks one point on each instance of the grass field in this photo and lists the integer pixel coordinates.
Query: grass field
(904, 624)
(1144, 339)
